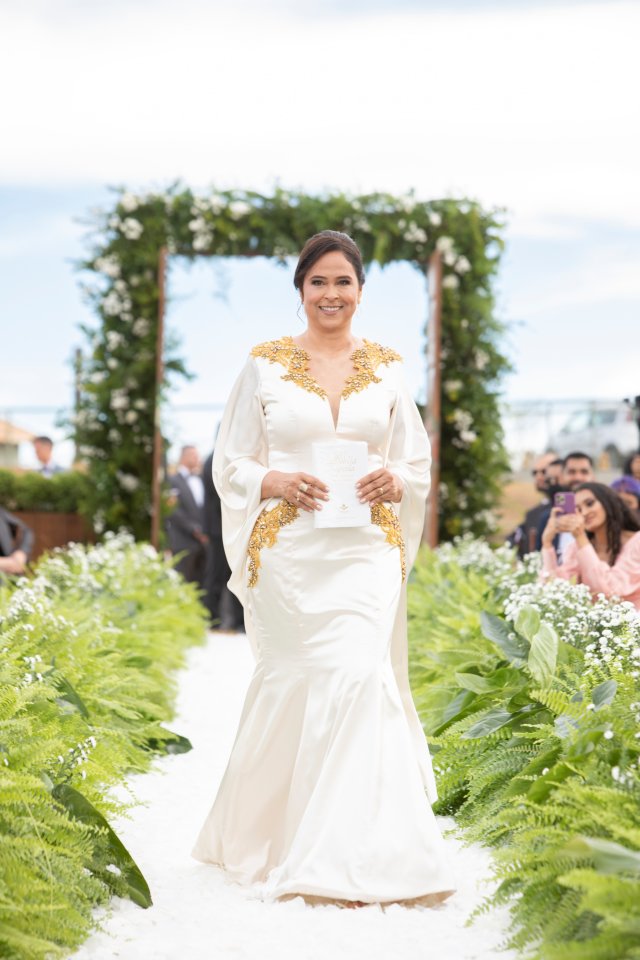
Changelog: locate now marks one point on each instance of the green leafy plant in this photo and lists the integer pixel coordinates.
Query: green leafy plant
(114, 426)
(66, 492)
(88, 649)
(530, 696)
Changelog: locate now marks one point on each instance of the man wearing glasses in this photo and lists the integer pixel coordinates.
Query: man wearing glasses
(525, 536)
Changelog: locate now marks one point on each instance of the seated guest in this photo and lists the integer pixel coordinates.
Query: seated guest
(605, 550)
(577, 468)
(628, 489)
(524, 537)
(632, 466)
(43, 447)
(16, 543)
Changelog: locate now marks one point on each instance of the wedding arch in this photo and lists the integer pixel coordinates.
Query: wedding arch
(129, 362)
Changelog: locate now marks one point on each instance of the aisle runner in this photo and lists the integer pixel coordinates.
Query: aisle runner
(199, 917)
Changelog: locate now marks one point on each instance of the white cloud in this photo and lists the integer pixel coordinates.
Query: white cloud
(523, 107)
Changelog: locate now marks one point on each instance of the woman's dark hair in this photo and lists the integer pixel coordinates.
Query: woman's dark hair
(627, 464)
(324, 242)
(619, 516)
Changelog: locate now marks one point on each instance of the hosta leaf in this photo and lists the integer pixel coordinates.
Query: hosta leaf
(502, 634)
(528, 622)
(607, 856)
(603, 694)
(82, 809)
(491, 722)
(543, 654)
(175, 743)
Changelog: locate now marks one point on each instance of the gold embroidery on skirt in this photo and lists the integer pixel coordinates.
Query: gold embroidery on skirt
(366, 361)
(387, 519)
(265, 534)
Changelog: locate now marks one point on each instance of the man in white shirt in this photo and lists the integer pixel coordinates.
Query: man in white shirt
(185, 526)
(43, 447)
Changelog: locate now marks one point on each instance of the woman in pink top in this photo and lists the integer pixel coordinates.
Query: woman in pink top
(605, 553)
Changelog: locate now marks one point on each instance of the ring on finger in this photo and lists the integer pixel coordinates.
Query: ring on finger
(303, 487)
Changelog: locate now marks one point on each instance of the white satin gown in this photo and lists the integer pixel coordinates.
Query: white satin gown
(328, 788)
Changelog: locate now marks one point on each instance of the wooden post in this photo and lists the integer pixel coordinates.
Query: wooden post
(77, 391)
(432, 410)
(156, 469)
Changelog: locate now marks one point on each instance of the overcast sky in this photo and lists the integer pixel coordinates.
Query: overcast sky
(528, 106)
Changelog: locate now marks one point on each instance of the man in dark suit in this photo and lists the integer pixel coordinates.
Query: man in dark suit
(185, 526)
(16, 543)
(225, 609)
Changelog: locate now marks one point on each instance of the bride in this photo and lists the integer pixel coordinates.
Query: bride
(328, 788)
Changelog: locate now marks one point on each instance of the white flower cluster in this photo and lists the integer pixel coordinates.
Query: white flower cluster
(32, 674)
(202, 233)
(131, 228)
(79, 755)
(415, 234)
(608, 631)
(469, 552)
(127, 481)
(463, 421)
(109, 265)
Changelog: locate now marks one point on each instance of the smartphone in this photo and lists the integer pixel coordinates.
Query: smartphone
(566, 502)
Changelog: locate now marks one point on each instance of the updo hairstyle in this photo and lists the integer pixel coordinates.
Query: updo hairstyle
(325, 242)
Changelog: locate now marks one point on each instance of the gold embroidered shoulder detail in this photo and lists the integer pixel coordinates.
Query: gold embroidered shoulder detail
(366, 360)
(293, 358)
(387, 519)
(265, 533)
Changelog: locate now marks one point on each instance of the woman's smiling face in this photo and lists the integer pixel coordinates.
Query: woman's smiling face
(592, 511)
(330, 292)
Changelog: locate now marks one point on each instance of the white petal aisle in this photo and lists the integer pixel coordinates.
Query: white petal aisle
(196, 915)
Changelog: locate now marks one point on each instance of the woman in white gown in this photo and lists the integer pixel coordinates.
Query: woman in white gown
(328, 788)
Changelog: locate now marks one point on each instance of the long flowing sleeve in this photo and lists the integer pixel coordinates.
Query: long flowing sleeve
(621, 580)
(240, 463)
(409, 456)
(566, 570)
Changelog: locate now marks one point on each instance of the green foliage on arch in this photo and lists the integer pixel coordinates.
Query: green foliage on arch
(115, 419)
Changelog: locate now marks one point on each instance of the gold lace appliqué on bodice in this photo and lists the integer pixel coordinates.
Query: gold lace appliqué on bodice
(366, 360)
(265, 533)
(387, 519)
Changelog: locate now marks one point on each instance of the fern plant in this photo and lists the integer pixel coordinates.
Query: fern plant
(87, 651)
(529, 695)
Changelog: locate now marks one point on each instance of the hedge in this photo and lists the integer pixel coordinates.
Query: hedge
(65, 492)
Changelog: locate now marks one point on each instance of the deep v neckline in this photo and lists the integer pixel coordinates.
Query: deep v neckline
(295, 359)
(322, 391)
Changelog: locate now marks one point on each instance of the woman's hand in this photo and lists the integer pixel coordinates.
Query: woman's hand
(378, 486)
(552, 529)
(300, 488)
(574, 523)
(15, 563)
(560, 522)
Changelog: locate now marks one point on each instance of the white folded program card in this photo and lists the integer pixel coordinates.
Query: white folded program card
(340, 464)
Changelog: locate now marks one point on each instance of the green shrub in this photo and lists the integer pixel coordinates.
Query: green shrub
(88, 649)
(530, 696)
(63, 493)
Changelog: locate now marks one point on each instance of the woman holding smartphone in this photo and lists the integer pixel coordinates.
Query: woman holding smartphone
(605, 552)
